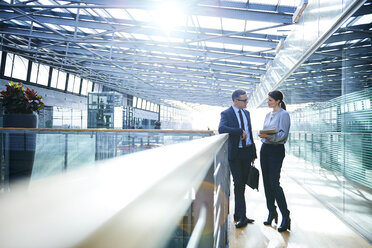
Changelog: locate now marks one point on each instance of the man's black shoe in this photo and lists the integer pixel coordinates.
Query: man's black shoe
(236, 218)
(243, 222)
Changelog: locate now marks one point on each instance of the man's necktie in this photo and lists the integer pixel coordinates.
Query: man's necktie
(244, 144)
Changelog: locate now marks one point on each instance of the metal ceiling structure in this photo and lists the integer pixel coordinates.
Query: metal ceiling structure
(212, 47)
(342, 65)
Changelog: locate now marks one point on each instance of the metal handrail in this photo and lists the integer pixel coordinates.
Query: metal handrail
(108, 130)
(331, 133)
(130, 201)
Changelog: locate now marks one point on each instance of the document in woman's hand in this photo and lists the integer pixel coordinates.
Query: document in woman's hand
(268, 131)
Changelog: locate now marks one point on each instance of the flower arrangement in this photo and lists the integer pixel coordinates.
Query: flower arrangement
(16, 100)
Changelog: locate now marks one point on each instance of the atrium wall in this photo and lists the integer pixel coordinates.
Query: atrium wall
(329, 100)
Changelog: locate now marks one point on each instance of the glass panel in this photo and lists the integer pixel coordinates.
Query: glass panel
(105, 110)
(9, 65)
(139, 103)
(57, 117)
(48, 145)
(90, 86)
(43, 75)
(331, 127)
(61, 80)
(75, 118)
(20, 68)
(66, 117)
(77, 85)
(84, 87)
(96, 87)
(100, 88)
(81, 149)
(34, 72)
(54, 81)
(71, 81)
(118, 117)
(84, 118)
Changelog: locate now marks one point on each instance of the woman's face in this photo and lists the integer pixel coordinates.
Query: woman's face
(271, 102)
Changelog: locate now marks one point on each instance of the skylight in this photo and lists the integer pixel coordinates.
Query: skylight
(169, 15)
(118, 14)
(366, 19)
(209, 22)
(139, 15)
(233, 24)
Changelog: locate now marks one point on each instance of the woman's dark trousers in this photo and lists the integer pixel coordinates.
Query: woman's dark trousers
(271, 158)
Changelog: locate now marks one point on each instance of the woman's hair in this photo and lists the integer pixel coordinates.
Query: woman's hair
(278, 95)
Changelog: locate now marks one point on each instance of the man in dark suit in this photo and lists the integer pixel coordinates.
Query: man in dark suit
(241, 150)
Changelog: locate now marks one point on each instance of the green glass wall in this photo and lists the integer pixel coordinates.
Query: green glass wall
(329, 100)
(337, 135)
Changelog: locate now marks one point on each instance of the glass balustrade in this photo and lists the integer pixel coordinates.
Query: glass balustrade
(57, 151)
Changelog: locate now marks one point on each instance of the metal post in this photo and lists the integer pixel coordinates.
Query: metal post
(66, 152)
(6, 161)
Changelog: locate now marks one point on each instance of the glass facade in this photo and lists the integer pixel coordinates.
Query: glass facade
(329, 100)
(66, 118)
(337, 135)
(132, 116)
(16, 69)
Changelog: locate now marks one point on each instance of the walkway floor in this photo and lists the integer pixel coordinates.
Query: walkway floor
(313, 225)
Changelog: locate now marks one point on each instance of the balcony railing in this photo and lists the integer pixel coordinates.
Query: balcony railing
(171, 196)
(60, 150)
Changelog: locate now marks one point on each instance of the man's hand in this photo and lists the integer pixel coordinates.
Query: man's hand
(244, 135)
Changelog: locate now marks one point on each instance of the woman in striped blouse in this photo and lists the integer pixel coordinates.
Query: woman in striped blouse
(271, 158)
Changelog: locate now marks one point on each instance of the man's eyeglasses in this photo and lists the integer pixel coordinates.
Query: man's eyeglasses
(242, 100)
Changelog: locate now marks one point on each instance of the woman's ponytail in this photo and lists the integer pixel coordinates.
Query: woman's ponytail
(282, 105)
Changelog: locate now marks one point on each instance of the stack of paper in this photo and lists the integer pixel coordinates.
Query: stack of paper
(268, 131)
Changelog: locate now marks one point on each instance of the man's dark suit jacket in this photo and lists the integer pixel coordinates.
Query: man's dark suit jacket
(229, 124)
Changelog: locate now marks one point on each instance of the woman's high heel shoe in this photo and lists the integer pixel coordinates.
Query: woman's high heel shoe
(286, 224)
(271, 217)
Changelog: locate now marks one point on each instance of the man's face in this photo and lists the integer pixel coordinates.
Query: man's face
(241, 102)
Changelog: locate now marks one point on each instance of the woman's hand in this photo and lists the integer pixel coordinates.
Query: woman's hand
(262, 135)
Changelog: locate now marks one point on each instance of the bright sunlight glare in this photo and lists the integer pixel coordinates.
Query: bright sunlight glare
(169, 15)
(208, 118)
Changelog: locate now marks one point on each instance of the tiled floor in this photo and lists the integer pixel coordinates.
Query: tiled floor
(313, 225)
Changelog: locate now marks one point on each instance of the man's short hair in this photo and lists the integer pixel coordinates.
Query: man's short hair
(237, 93)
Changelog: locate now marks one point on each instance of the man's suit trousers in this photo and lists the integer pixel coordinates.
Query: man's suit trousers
(240, 169)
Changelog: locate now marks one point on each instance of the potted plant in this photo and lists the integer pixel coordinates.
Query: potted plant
(157, 124)
(20, 106)
(20, 111)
